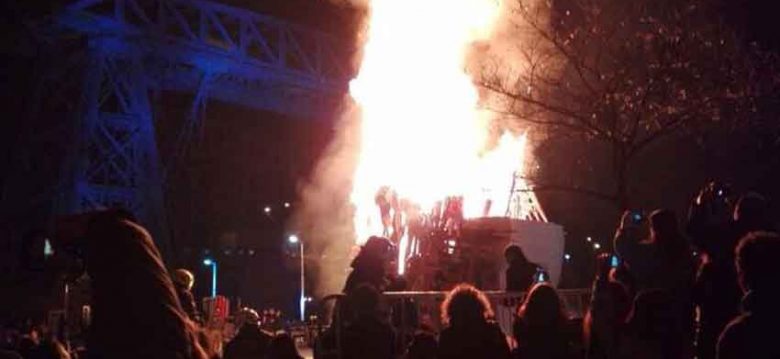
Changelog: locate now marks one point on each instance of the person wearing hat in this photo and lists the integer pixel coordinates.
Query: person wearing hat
(371, 265)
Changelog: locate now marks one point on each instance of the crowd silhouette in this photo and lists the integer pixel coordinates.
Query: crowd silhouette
(708, 289)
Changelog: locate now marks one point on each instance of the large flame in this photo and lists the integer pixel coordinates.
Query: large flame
(421, 132)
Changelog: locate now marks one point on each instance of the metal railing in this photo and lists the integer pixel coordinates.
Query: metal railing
(504, 304)
(426, 306)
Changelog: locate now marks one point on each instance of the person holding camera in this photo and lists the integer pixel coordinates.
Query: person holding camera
(663, 260)
(610, 303)
(715, 225)
(661, 263)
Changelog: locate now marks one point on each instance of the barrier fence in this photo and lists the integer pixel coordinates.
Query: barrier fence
(409, 311)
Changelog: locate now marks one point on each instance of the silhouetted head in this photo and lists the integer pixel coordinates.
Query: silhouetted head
(758, 261)
(464, 306)
(377, 246)
(183, 278)
(752, 212)
(375, 252)
(514, 254)
(247, 316)
(283, 347)
(665, 233)
(663, 226)
(542, 306)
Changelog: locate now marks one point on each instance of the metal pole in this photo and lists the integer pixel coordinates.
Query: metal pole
(64, 324)
(214, 279)
(302, 300)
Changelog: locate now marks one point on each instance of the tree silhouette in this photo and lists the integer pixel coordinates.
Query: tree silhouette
(625, 74)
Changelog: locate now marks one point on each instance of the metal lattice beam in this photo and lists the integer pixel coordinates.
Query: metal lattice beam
(220, 38)
(117, 162)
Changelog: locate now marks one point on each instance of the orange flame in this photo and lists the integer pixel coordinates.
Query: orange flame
(421, 132)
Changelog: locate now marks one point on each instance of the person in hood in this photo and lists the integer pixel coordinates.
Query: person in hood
(371, 265)
(135, 310)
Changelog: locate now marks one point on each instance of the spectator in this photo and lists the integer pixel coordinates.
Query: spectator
(604, 323)
(754, 333)
(661, 261)
(370, 265)
(716, 290)
(520, 273)
(752, 214)
(710, 219)
(654, 328)
(183, 281)
(251, 341)
(283, 347)
(540, 326)
(29, 343)
(469, 331)
(368, 331)
(423, 346)
(134, 300)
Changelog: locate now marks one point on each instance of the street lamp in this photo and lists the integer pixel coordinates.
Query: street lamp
(293, 239)
(213, 264)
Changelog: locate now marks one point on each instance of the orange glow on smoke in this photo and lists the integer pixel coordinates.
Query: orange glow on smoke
(421, 132)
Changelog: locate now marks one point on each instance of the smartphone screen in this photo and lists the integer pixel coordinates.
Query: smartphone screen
(614, 261)
(48, 250)
(636, 217)
(540, 277)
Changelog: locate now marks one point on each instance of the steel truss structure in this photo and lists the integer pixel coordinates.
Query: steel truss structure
(209, 49)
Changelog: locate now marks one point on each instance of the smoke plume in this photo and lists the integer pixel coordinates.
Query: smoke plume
(324, 218)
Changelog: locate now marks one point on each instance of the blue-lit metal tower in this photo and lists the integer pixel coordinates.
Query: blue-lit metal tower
(206, 48)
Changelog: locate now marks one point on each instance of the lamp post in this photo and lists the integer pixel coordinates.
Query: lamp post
(213, 264)
(293, 239)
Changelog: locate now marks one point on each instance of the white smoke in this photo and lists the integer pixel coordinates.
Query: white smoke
(513, 51)
(324, 218)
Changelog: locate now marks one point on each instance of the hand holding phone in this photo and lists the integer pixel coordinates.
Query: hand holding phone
(632, 218)
(637, 217)
(614, 261)
(603, 265)
(540, 276)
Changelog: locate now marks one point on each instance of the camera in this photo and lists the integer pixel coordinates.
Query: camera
(540, 276)
(637, 217)
(715, 193)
